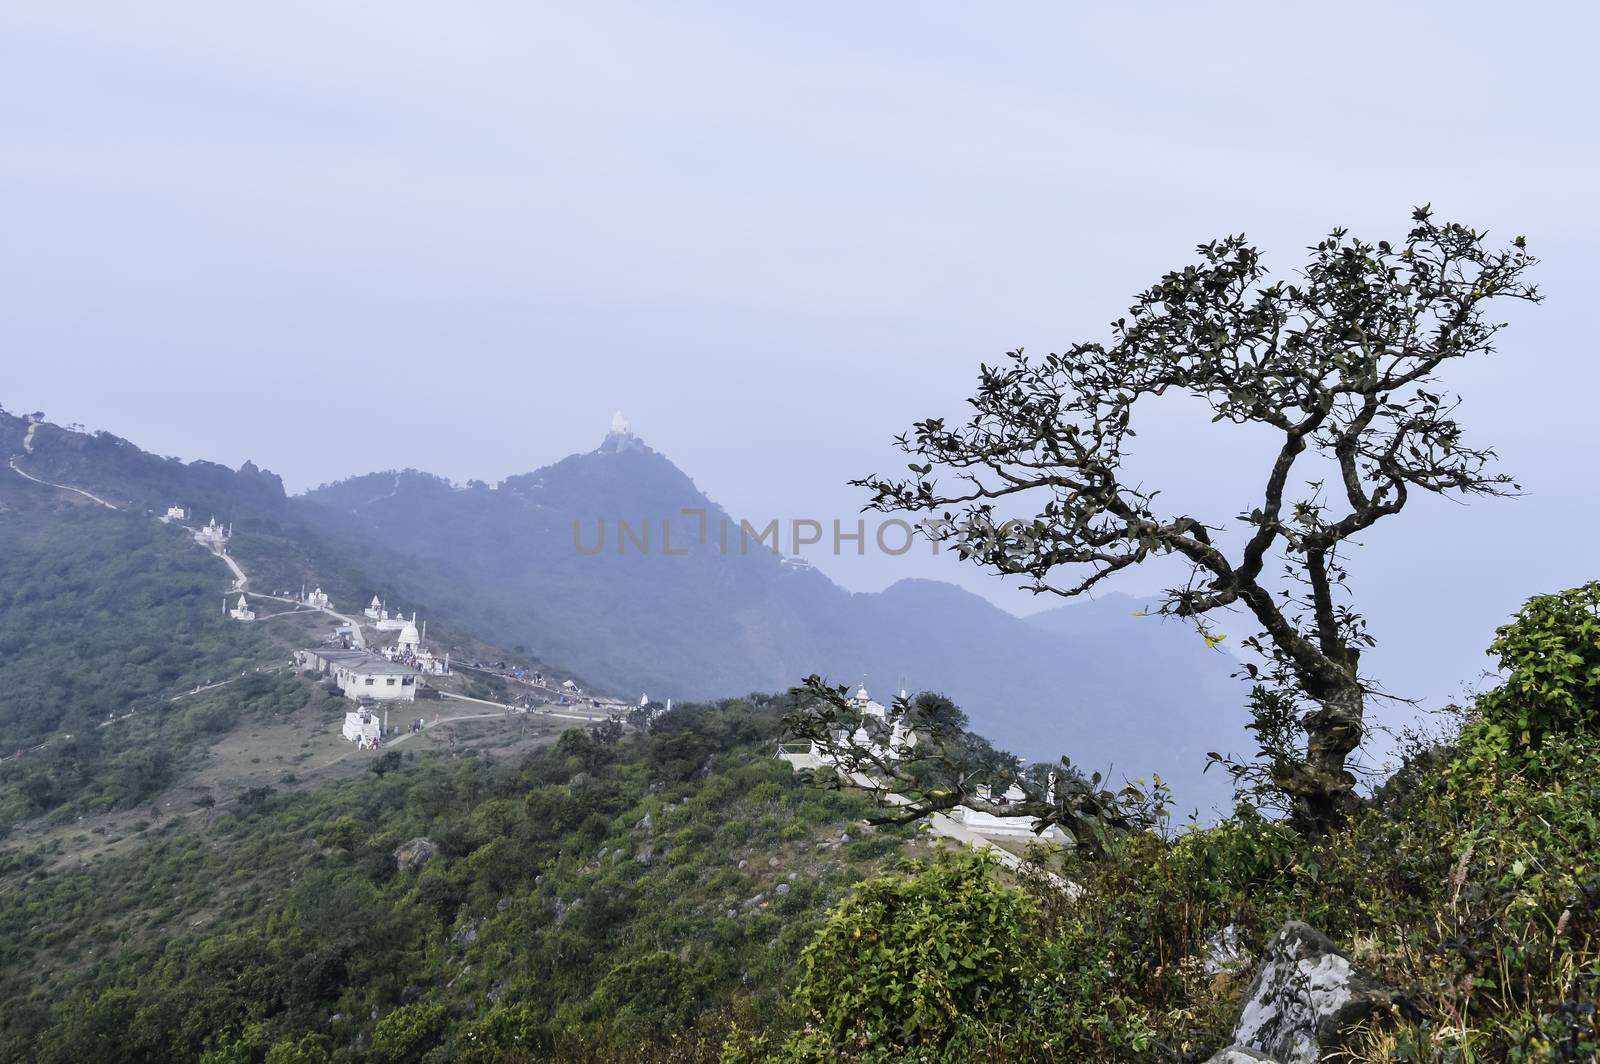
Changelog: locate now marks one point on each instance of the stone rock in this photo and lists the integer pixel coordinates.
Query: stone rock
(467, 935)
(1305, 994)
(410, 994)
(415, 854)
(646, 855)
(360, 1043)
(1239, 1055)
(1224, 954)
(503, 904)
(781, 888)
(496, 992)
(743, 863)
(646, 823)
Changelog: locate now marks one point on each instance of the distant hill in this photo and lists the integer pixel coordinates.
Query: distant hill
(1088, 679)
(107, 612)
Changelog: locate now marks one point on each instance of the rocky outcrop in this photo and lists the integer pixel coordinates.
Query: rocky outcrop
(414, 854)
(1305, 995)
(1239, 1055)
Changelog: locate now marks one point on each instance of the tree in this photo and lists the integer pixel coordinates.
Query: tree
(1341, 368)
(919, 758)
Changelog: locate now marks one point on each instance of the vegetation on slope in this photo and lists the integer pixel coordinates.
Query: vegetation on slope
(607, 898)
(100, 614)
(1469, 882)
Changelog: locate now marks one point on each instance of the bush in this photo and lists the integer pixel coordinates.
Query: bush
(1551, 656)
(408, 1032)
(908, 959)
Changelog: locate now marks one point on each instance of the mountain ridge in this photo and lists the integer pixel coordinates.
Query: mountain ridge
(1118, 694)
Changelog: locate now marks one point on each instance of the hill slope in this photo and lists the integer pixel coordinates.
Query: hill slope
(528, 557)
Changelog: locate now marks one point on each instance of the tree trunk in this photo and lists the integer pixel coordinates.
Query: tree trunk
(1322, 789)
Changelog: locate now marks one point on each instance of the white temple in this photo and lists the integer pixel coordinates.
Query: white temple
(620, 426)
(317, 600)
(375, 611)
(412, 649)
(176, 513)
(241, 612)
(1010, 827)
(410, 639)
(213, 534)
(361, 726)
(901, 738)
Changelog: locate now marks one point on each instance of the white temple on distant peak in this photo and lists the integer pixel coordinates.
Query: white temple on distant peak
(620, 426)
(241, 612)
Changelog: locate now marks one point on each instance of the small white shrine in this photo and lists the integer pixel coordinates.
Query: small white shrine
(317, 600)
(176, 513)
(375, 611)
(241, 612)
(412, 649)
(362, 726)
(214, 534)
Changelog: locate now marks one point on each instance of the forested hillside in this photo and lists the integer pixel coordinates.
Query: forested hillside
(607, 898)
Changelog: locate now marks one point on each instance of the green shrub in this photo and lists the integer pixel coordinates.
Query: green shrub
(1551, 656)
(408, 1032)
(907, 959)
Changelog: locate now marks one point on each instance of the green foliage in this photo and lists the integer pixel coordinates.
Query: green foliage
(590, 901)
(910, 959)
(1550, 654)
(403, 1036)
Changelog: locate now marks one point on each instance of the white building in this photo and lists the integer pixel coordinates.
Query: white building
(360, 675)
(316, 600)
(901, 738)
(1008, 827)
(214, 534)
(241, 612)
(410, 640)
(375, 612)
(362, 726)
(176, 513)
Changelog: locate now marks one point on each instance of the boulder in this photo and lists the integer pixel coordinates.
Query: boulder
(1305, 995)
(467, 935)
(415, 854)
(1239, 1055)
(1224, 954)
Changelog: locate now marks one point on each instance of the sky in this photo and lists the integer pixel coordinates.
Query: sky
(339, 237)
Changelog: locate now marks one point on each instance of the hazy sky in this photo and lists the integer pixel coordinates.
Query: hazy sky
(340, 237)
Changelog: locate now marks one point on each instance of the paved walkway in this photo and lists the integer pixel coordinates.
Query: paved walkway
(62, 487)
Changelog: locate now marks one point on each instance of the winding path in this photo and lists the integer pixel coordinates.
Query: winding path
(62, 487)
